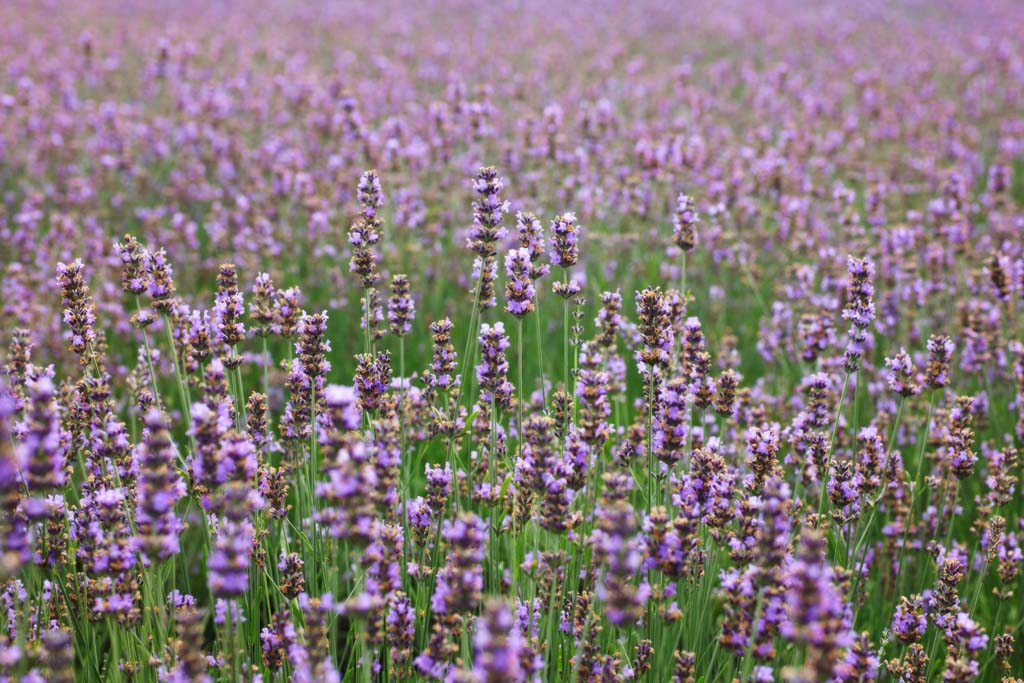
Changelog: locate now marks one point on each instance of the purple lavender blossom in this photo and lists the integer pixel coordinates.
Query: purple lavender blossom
(157, 524)
(42, 446)
(619, 552)
(79, 311)
(519, 289)
(860, 308)
(684, 223)
(460, 581)
(497, 646)
(902, 376)
(531, 237)
(228, 564)
(401, 308)
(492, 371)
(565, 238)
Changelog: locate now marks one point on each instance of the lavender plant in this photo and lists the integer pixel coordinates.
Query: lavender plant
(238, 443)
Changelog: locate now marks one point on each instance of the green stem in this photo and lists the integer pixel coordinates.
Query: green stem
(183, 392)
(540, 353)
(519, 352)
(916, 492)
(149, 354)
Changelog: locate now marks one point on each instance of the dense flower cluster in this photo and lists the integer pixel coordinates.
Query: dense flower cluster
(263, 422)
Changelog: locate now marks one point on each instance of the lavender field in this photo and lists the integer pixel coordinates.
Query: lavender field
(511, 342)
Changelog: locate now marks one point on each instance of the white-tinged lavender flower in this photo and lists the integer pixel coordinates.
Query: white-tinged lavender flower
(312, 348)
(229, 309)
(566, 290)
(485, 272)
(860, 308)
(531, 237)
(261, 305)
(371, 196)
(902, 375)
(293, 581)
(382, 560)
(763, 447)
(871, 459)
(372, 379)
(160, 283)
(420, 519)
(655, 331)
(443, 376)
(565, 238)
(492, 372)
(592, 390)
(365, 232)
(684, 223)
(844, 490)
(519, 289)
(79, 311)
(201, 333)
(485, 234)
(287, 312)
(134, 279)
(106, 550)
(940, 353)
(488, 211)
(401, 307)
(609, 319)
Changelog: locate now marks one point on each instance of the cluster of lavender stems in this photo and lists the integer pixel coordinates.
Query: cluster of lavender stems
(283, 398)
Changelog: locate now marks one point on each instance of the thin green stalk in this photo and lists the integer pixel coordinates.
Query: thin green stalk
(367, 344)
(472, 333)
(565, 337)
(916, 492)
(519, 352)
(831, 445)
(183, 392)
(682, 293)
(266, 366)
(540, 353)
(650, 439)
(241, 409)
(149, 354)
(952, 513)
